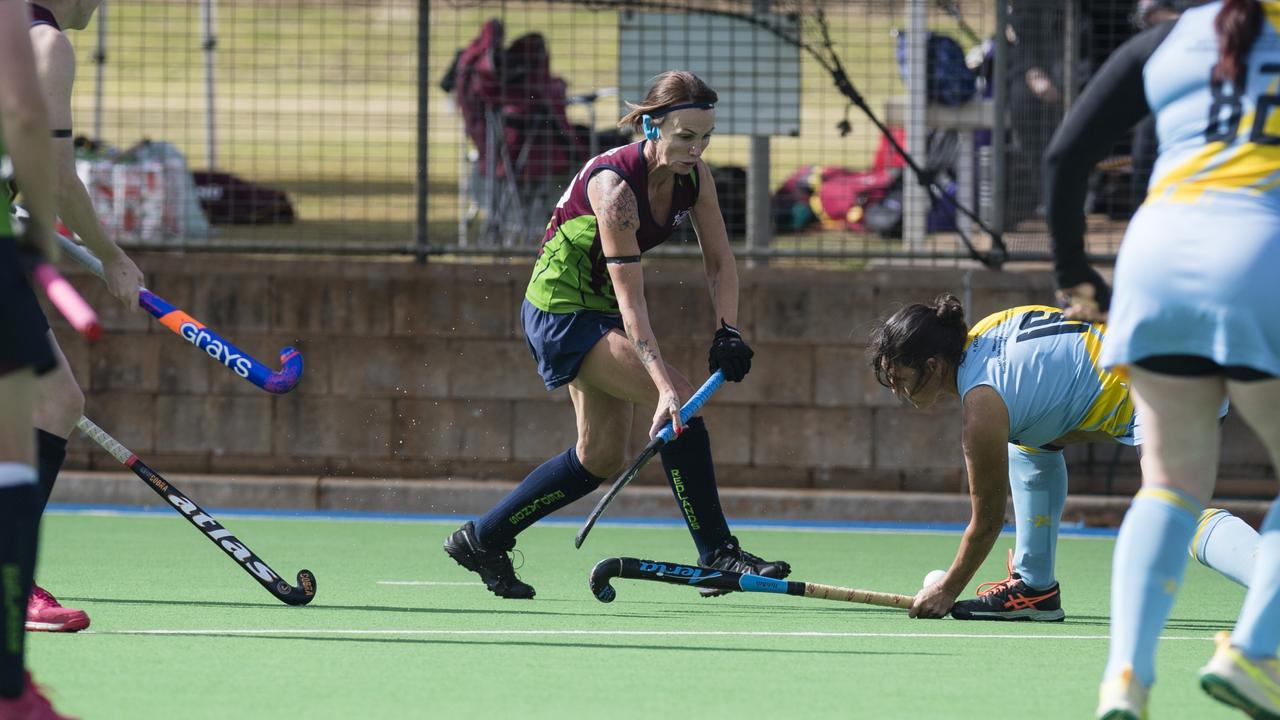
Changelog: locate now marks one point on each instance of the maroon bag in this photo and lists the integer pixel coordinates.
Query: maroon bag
(229, 200)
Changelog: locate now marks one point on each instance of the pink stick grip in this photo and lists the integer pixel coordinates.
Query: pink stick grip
(68, 301)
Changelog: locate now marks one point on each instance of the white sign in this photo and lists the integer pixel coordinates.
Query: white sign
(755, 72)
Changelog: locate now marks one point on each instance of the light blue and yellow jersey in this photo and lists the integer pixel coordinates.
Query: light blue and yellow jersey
(1236, 154)
(1046, 370)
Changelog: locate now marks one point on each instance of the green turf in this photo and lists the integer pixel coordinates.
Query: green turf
(364, 649)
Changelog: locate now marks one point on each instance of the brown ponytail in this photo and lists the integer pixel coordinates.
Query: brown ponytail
(1238, 25)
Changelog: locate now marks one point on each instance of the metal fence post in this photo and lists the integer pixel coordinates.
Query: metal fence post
(208, 43)
(99, 61)
(915, 203)
(1000, 97)
(420, 191)
(759, 222)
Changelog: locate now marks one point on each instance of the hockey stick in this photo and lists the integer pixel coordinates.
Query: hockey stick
(195, 332)
(300, 594)
(693, 575)
(61, 293)
(68, 301)
(664, 436)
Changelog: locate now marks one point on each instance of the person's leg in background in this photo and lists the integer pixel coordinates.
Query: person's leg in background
(1225, 543)
(1179, 467)
(19, 525)
(59, 405)
(1244, 671)
(19, 536)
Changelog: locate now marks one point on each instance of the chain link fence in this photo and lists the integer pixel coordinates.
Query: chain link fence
(450, 128)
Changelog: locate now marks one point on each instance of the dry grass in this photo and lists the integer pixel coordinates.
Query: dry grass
(319, 98)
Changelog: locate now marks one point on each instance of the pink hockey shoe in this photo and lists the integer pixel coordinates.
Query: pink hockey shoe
(46, 614)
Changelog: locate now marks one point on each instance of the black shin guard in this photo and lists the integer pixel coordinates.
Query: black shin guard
(692, 475)
(51, 451)
(19, 527)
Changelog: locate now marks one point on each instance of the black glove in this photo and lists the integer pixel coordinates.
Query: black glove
(729, 353)
(1101, 290)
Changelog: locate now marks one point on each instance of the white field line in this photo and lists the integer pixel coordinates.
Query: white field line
(417, 583)
(615, 633)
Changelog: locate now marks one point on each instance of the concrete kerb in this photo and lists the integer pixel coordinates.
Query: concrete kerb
(472, 497)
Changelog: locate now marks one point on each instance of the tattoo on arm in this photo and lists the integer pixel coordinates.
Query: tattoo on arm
(646, 354)
(618, 211)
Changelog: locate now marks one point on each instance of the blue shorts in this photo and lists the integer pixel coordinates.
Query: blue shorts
(561, 341)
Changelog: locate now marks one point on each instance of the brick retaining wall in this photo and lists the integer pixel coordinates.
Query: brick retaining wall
(422, 372)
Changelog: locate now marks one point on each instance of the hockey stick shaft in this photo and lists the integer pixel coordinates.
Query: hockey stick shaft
(196, 333)
(299, 594)
(664, 436)
(68, 302)
(696, 576)
(61, 293)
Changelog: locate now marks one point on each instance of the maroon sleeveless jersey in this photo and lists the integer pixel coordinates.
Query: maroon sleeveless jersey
(40, 15)
(570, 273)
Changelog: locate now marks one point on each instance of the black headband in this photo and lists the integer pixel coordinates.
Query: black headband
(684, 106)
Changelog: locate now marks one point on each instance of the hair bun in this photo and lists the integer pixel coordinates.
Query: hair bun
(949, 310)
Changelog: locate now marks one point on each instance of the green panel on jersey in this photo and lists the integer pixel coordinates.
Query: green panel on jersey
(562, 275)
(6, 199)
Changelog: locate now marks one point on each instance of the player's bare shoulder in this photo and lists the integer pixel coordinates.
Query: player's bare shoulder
(706, 182)
(55, 56)
(613, 201)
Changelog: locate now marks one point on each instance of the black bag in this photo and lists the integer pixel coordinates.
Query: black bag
(229, 200)
(731, 189)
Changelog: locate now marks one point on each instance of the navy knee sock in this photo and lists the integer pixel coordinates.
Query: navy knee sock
(19, 527)
(552, 485)
(51, 451)
(692, 477)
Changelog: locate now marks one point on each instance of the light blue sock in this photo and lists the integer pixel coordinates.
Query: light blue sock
(1225, 543)
(1257, 631)
(1145, 575)
(1038, 479)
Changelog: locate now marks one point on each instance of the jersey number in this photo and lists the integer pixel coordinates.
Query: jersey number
(1038, 324)
(1227, 108)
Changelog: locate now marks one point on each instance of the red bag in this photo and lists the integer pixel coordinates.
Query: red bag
(845, 194)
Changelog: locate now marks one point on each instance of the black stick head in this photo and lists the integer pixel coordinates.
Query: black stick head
(299, 594)
(601, 574)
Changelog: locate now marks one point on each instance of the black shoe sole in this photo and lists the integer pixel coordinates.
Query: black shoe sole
(1003, 618)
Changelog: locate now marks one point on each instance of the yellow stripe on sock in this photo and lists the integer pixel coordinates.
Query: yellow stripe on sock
(1171, 497)
(1205, 516)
